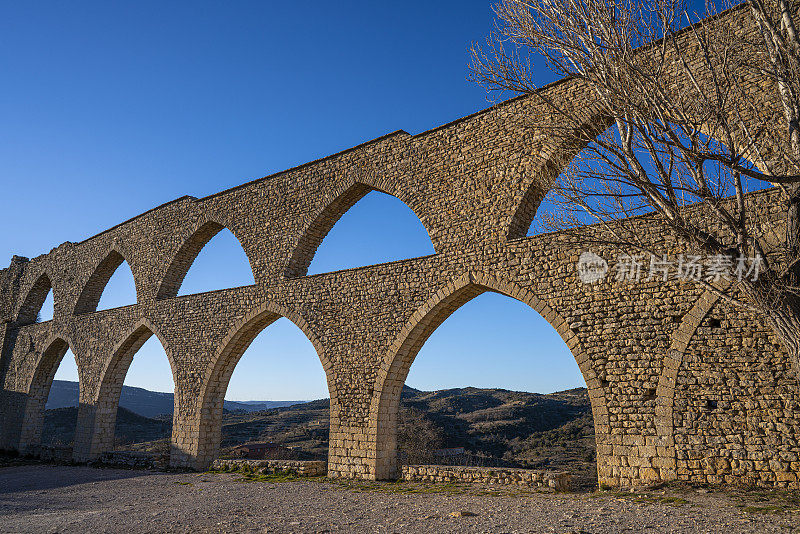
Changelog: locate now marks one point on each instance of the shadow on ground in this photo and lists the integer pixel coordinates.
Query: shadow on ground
(20, 479)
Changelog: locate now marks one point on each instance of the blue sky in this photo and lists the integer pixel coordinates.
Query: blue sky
(112, 108)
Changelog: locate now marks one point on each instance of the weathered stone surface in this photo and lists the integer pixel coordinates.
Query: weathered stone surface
(673, 397)
(557, 480)
(307, 468)
(134, 460)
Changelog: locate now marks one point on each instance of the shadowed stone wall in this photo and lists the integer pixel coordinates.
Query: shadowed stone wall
(672, 397)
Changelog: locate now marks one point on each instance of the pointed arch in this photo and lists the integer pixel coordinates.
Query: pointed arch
(667, 380)
(397, 362)
(535, 193)
(94, 287)
(208, 417)
(34, 299)
(187, 254)
(112, 379)
(556, 159)
(315, 228)
(56, 347)
(553, 160)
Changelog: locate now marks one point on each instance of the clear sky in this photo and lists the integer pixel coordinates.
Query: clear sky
(112, 108)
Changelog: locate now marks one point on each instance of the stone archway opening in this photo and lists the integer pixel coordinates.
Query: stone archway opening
(120, 290)
(220, 264)
(276, 403)
(50, 416)
(61, 409)
(362, 226)
(265, 395)
(210, 259)
(111, 285)
(134, 406)
(594, 174)
(38, 305)
(47, 311)
(542, 418)
(146, 402)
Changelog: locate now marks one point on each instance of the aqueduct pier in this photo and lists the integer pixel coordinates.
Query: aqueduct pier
(681, 387)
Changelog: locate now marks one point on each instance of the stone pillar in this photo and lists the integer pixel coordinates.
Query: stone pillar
(32, 416)
(5, 359)
(351, 452)
(97, 419)
(196, 437)
(84, 449)
(191, 443)
(383, 438)
(184, 445)
(12, 402)
(351, 445)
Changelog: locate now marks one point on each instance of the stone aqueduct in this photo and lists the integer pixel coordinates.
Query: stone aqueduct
(680, 387)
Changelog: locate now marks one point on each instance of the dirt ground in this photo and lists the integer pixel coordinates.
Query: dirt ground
(47, 499)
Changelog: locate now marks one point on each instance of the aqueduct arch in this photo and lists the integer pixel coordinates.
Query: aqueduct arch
(316, 227)
(34, 300)
(33, 418)
(474, 183)
(397, 363)
(207, 422)
(97, 415)
(184, 259)
(97, 282)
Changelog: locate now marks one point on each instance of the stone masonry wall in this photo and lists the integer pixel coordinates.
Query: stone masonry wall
(737, 416)
(306, 468)
(556, 480)
(671, 398)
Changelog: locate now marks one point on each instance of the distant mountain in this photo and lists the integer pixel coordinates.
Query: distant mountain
(64, 394)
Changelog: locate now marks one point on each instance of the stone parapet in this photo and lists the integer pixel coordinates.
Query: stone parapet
(134, 459)
(556, 480)
(306, 468)
(53, 454)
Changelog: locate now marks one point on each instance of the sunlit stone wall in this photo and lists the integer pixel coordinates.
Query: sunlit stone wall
(672, 397)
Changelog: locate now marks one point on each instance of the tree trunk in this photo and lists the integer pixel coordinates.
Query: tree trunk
(784, 320)
(793, 238)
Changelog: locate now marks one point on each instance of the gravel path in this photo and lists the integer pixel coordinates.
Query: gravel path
(46, 499)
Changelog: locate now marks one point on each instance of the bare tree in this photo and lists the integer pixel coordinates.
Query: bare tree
(417, 437)
(680, 129)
